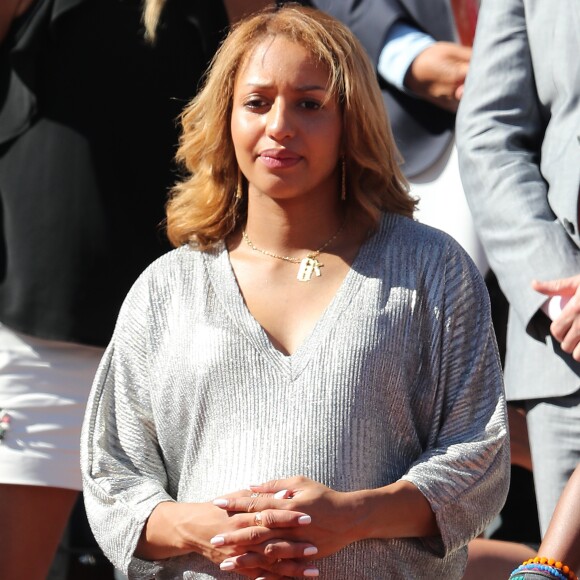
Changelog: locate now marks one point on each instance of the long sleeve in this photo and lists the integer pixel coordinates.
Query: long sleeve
(370, 20)
(404, 43)
(502, 131)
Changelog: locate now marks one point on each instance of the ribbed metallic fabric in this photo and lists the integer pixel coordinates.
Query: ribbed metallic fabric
(400, 378)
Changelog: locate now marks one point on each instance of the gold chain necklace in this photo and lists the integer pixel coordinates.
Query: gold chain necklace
(308, 265)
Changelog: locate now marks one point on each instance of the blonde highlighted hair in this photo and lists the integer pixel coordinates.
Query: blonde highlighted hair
(203, 208)
(152, 10)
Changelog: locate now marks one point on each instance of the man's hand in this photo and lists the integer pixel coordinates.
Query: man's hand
(438, 74)
(566, 327)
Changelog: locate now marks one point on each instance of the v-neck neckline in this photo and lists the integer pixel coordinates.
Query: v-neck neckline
(223, 279)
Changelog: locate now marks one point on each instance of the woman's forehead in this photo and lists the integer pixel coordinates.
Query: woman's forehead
(282, 58)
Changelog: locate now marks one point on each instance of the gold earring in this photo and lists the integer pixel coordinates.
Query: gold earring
(343, 181)
(240, 187)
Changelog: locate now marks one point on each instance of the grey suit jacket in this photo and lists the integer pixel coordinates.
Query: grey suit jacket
(422, 131)
(518, 135)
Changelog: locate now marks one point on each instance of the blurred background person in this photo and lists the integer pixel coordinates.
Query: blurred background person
(518, 139)
(558, 555)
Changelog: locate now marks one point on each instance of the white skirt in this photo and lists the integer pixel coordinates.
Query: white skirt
(44, 387)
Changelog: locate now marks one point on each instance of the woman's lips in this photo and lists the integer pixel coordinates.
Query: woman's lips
(278, 159)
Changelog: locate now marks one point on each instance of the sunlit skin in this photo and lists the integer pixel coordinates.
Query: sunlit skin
(286, 129)
(285, 126)
(287, 133)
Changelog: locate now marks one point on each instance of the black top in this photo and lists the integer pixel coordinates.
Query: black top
(87, 137)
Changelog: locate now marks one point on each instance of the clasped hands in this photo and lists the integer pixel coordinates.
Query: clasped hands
(278, 547)
(267, 532)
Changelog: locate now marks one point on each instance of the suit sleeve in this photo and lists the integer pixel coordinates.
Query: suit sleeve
(422, 130)
(500, 130)
(369, 20)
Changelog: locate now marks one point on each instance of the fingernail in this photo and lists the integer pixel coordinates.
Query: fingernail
(217, 541)
(310, 551)
(303, 520)
(281, 494)
(311, 572)
(229, 565)
(220, 502)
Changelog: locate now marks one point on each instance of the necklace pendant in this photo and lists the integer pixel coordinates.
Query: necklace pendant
(308, 266)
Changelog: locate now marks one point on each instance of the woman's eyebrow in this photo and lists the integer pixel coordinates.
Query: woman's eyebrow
(267, 85)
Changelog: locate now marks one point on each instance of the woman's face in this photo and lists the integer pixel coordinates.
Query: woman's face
(285, 129)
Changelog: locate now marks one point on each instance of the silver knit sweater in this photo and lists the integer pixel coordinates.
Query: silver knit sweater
(400, 378)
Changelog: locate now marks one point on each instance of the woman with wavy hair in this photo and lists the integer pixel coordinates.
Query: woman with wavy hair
(309, 383)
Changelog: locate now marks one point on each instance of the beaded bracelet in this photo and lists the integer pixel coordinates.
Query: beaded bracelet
(546, 567)
(531, 575)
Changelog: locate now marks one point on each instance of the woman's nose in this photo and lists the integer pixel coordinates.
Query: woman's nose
(279, 122)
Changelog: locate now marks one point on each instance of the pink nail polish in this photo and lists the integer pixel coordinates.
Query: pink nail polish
(220, 503)
(303, 520)
(310, 551)
(311, 572)
(217, 541)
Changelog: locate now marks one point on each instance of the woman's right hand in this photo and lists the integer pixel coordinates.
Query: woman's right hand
(175, 529)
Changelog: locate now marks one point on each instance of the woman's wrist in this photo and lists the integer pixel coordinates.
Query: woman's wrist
(543, 567)
(168, 532)
(398, 510)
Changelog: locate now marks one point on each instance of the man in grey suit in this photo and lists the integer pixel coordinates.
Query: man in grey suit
(518, 134)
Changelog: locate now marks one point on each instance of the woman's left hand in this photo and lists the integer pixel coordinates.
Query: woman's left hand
(336, 519)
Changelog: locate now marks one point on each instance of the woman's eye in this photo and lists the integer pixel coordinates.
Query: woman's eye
(311, 105)
(255, 103)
